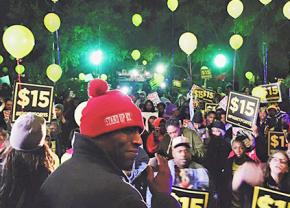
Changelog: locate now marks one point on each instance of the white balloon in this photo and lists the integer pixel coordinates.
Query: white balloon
(78, 112)
(187, 42)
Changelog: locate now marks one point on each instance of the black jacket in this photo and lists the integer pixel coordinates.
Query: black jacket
(90, 179)
(284, 186)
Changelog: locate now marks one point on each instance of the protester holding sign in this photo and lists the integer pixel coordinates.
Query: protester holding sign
(276, 176)
(185, 172)
(217, 152)
(262, 121)
(242, 196)
(277, 172)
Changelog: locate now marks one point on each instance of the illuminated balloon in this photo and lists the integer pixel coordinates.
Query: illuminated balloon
(204, 68)
(18, 41)
(137, 20)
(52, 22)
(236, 41)
(5, 69)
(104, 77)
(158, 78)
(136, 54)
(265, 2)
(286, 10)
(1, 59)
(78, 112)
(176, 83)
(82, 76)
(188, 42)
(19, 69)
(144, 62)
(259, 92)
(54, 72)
(172, 5)
(249, 75)
(235, 8)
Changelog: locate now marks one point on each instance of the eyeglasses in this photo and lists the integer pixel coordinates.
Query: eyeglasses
(282, 161)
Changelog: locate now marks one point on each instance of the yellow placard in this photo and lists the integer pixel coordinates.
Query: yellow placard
(267, 198)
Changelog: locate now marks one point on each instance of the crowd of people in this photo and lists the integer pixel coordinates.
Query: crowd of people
(111, 160)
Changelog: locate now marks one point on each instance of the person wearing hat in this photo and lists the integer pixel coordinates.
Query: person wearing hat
(27, 162)
(215, 161)
(185, 172)
(174, 130)
(107, 145)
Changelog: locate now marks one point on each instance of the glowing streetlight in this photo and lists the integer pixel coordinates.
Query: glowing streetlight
(160, 68)
(96, 57)
(163, 85)
(220, 60)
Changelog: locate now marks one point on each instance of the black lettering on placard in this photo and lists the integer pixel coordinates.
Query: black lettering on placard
(273, 93)
(32, 98)
(203, 94)
(267, 198)
(210, 107)
(242, 110)
(205, 74)
(190, 198)
(276, 141)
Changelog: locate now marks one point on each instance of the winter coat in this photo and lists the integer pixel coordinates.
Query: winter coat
(197, 149)
(243, 196)
(284, 186)
(90, 179)
(197, 176)
(24, 194)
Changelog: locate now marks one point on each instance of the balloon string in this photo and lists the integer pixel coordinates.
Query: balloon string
(19, 77)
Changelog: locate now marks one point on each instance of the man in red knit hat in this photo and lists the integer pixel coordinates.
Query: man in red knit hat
(108, 143)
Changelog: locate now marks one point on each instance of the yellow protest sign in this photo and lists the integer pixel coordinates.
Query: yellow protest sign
(190, 198)
(276, 141)
(267, 198)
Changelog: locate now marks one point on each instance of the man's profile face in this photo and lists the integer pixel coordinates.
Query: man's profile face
(122, 146)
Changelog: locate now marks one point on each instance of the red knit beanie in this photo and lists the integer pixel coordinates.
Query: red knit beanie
(108, 110)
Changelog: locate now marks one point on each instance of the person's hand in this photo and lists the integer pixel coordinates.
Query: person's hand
(255, 130)
(250, 173)
(162, 181)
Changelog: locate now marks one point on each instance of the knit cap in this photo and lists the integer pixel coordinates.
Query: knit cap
(28, 132)
(108, 110)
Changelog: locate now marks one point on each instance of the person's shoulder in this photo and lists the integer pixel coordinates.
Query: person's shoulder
(187, 132)
(195, 165)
